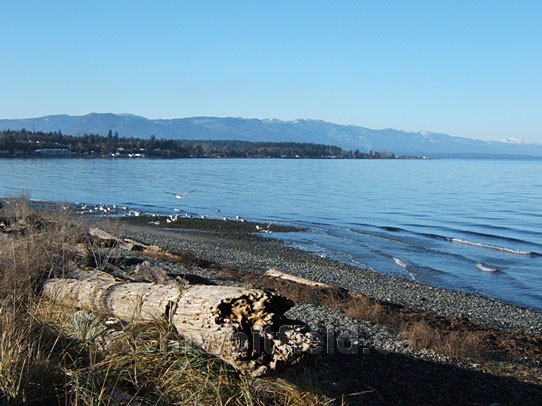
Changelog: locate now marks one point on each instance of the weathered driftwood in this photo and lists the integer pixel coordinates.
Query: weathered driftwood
(275, 273)
(111, 239)
(129, 244)
(244, 327)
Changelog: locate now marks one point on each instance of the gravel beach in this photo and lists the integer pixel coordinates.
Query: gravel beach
(238, 245)
(386, 340)
(385, 367)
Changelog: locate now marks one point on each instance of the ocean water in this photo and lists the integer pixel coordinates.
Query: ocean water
(470, 225)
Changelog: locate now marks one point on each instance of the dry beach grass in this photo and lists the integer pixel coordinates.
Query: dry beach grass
(53, 355)
(403, 354)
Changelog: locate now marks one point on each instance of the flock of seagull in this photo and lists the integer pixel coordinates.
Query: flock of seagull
(123, 210)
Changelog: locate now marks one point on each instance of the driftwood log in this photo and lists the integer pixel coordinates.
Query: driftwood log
(244, 327)
(275, 273)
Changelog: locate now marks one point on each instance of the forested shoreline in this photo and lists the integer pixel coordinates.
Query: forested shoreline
(23, 143)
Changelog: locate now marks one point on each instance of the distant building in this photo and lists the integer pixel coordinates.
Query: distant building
(53, 151)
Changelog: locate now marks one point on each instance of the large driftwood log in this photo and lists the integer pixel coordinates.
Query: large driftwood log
(244, 327)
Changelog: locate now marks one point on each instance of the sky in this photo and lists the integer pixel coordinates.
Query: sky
(465, 68)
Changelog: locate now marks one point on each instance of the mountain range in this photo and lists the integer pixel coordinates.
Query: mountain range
(349, 137)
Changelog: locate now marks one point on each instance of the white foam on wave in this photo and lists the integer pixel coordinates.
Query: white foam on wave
(486, 268)
(489, 246)
(400, 262)
(405, 266)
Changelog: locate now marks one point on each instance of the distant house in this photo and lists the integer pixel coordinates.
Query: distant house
(53, 151)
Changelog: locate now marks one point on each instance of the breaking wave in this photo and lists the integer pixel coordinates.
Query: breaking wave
(486, 268)
(493, 247)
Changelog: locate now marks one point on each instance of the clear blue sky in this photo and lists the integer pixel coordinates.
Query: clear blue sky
(466, 68)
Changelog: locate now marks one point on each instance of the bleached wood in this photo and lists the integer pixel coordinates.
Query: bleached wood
(234, 323)
(275, 273)
(105, 236)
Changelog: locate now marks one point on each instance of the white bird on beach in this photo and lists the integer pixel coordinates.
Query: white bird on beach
(266, 230)
(171, 219)
(181, 195)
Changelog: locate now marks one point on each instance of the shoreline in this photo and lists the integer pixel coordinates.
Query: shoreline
(376, 329)
(383, 317)
(235, 245)
(213, 222)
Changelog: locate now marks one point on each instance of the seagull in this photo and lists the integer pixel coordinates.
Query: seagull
(171, 219)
(266, 230)
(181, 195)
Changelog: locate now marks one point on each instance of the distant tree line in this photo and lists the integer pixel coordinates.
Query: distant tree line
(23, 143)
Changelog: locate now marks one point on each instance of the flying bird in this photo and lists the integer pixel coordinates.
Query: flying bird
(181, 195)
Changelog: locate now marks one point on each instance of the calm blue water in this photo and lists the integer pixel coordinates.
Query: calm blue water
(463, 224)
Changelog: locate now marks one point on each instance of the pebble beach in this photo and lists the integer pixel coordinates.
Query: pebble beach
(238, 245)
(471, 349)
(383, 354)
